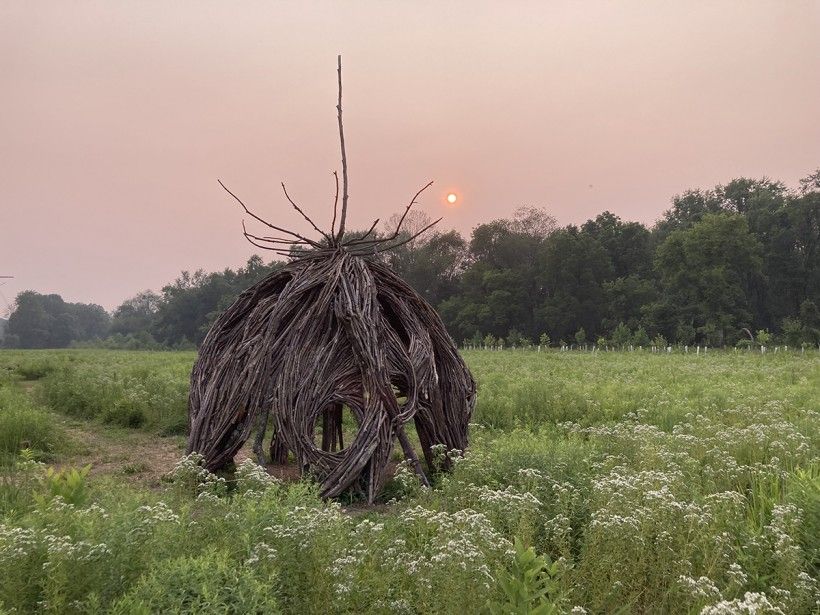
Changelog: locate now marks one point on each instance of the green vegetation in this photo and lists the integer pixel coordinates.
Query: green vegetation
(744, 256)
(24, 425)
(46, 321)
(595, 482)
(121, 388)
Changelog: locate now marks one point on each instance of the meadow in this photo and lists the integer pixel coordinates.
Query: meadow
(627, 482)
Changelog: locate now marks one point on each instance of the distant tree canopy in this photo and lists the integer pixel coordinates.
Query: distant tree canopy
(745, 255)
(46, 321)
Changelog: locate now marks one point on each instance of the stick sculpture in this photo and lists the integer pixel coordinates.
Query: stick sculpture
(335, 328)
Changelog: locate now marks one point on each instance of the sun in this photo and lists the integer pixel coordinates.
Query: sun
(452, 198)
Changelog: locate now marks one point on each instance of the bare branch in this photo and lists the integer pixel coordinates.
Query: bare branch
(304, 215)
(377, 246)
(265, 222)
(359, 242)
(335, 206)
(382, 248)
(344, 155)
(370, 230)
(361, 239)
(272, 239)
(263, 247)
(406, 209)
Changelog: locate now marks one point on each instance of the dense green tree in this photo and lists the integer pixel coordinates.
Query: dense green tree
(47, 321)
(641, 338)
(573, 268)
(581, 337)
(136, 314)
(500, 287)
(493, 300)
(628, 244)
(745, 196)
(793, 333)
(91, 321)
(30, 322)
(687, 210)
(625, 299)
(685, 333)
(515, 339)
(621, 336)
(787, 227)
(764, 206)
(810, 320)
(707, 273)
(803, 245)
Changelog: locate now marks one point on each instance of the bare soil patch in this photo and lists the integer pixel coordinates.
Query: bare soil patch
(135, 456)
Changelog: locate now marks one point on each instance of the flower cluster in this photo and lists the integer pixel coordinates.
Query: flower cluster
(189, 476)
(147, 518)
(432, 548)
(64, 548)
(252, 479)
(752, 603)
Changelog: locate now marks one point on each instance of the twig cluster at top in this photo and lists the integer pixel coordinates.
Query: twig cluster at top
(334, 240)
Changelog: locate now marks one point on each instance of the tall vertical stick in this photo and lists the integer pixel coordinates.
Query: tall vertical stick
(344, 156)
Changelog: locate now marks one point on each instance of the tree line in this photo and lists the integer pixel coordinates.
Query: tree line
(719, 267)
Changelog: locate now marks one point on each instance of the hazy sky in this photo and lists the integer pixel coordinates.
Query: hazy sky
(116, 118)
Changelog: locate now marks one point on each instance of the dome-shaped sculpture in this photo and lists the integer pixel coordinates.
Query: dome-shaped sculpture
(335, 328)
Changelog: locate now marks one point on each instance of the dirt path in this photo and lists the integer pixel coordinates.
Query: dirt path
(131, 455)
(135, 456)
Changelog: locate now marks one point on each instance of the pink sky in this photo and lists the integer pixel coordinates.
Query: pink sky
(117, 118)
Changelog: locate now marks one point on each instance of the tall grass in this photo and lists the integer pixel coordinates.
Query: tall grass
(130, 389)
(653, 483)
(23, 425)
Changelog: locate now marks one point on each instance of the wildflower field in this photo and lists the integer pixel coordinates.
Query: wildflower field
(605, 482)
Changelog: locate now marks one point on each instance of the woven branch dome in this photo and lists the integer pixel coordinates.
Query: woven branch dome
(331, 329)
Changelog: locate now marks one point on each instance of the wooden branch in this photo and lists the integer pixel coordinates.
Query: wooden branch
(361, 239)
(335, 206)
(407, 209)
(263, 247)
(376, 246)
(360, 242)
(281, 240)
(409, 239)
(410, 455)
(371, 229)
(304, 215)
(265, 222)
(344, 155)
